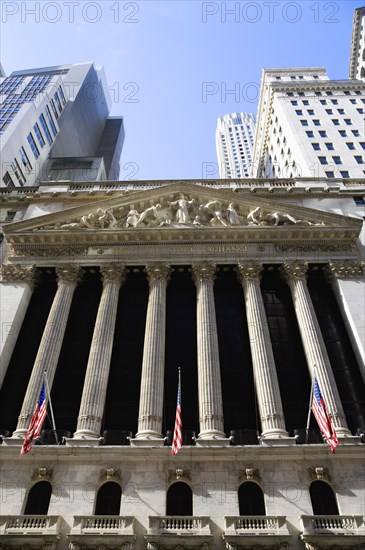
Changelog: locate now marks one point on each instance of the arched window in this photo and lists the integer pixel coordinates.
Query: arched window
(108, 499)
(251, 500)
(179, 500)
(38, 499)
(323, 499)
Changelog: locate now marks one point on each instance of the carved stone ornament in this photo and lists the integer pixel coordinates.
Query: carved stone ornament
(110, 474)
(294, 270)
(203, 272)
(158, 272)
(181, 211)
(179, 475)
(249, 270)
(44, 474)
(319, 247)
(19, 274)
(249, 474)
(70, 274)
(319, 473)
(113, 273)
(343, 269)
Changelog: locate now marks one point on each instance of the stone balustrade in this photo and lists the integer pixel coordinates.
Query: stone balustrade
(35, 525)
(162, 524)
(98, 525)
(347, 525)
(247, 524)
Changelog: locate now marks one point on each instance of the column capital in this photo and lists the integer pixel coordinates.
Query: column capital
(249, 270)
(345, 269)
(203, 272)
(19, 274)
(71, 273)
(294, 270)
(113, 273)
(158, 272)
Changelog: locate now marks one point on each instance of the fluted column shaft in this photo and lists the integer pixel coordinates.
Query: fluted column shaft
(50, 345)
(153, 365)
(16, 289)
(266, 381)
(98, 366)
(313, 343)
(209, 376)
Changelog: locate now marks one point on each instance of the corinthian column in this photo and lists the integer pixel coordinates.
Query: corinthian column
(347, 277)
(266, 381)
(51, 343)
(16, 289)
(97, 372)
(152, 381)
(209, 376)
(314, 347)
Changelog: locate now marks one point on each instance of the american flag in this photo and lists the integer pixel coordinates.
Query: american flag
(324, 421)
(177, 440)
(35, 425)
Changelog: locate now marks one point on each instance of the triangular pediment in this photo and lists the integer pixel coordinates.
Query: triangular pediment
(179, 213)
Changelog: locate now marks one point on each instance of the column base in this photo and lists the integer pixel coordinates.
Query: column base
(349, 440)
(82, 442)
(278, 441)
(150, 442)
(148, 434)
(13, 441)
(19, 434)
(213, 442)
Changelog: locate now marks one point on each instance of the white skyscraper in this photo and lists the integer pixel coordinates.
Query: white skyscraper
(59, 113)
(234, 141)
(357, 55)
(309, 126)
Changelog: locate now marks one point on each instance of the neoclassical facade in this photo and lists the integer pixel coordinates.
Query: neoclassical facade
(250, 289)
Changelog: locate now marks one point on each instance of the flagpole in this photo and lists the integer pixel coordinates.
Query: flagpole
(310, 405)
(50, 407)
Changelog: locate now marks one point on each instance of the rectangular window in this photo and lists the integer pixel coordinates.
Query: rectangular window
(299, 111)
(322, 133)
(323, 160)
(337, 160)
(359, 159)
(359, 200)
(350, 145)
(329, 146)
(18, 172)
(344, 173)
(362, 144)
(304, 122)
(330, 174)
(39, 135)
(353, 101)
(343, 133)
(294, 102)
(310, 133)
(33, 145)
(348, 121)
(43, 122)
(323, 102)
(329, 111)
(336, 122)
(334, 101)
(57, 99)
(316, 146)
(310, 112)
(355, 133)
(316, 122)
(360, 111)
(25, 160)
(305, 102)
(55, 112)
(50, 120)
(62, 95)
(7, 179)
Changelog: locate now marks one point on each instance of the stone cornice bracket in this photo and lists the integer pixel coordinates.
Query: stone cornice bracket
(20, 274)
(249, 270)
(319, 473)
(343, 269)
(203, 272)
(110, 474)
(71, 274)
(249, 474)
(294, 270)
(113, 273)
(179, 475)
(158, 272)
(44, 474)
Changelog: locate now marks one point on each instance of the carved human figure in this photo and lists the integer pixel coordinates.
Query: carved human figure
(197, 221)
(106, 218)
(278, 218)
(214, 208)
(232, 215)
(255, 216)
(166, 220)
(86, 222)
(132, 217)
(182, 212)
(148, 215)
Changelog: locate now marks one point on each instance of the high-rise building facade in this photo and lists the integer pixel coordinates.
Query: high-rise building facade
(309, 126)
(53, 122)
(234, 143)
(357, 54)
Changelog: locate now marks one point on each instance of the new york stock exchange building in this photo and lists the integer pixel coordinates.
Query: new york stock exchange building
(252, 289)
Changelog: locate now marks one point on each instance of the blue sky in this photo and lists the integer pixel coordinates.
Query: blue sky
(171, 65)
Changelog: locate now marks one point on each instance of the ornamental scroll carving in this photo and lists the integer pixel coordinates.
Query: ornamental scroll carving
(182, 211)
(343, 269)
(19, 274)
